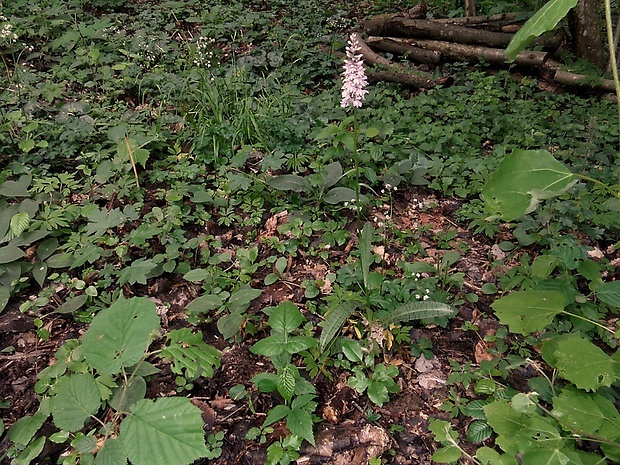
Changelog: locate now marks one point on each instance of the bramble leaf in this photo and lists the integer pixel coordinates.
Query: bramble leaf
(299, 422)
(76, 399)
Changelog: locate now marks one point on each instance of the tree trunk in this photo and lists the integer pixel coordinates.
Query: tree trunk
(585, 25)
(470, 7)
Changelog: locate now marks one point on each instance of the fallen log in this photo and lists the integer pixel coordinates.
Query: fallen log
(581, 80)
(401, 47)
(454, 51)
(427, 29)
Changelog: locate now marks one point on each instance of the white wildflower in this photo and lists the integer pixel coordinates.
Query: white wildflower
(354, 78)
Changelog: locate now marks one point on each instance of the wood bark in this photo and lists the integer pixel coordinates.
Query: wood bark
(585, 26)
(581, 80)
(470, 7)
(427, 29)
(455, 51)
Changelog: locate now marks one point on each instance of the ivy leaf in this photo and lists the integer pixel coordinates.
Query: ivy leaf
(581, 362)
(76, 399)
(525, 312)
(119, 335)
(545, 19)
(164, 431)
(299, 422)
(522, 180)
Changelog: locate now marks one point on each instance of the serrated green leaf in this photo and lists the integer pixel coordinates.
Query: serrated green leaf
(120, 335)
(299, 422)
(475, 408)
(274, 345)
(377, 392)
(19, 223)
(478, 431)
(525, 312)
(448, 454)
(522, 180)
(127, 395)
(609, 293)
(191, 356)
(581, 362)
(488, 456)
(545, 19)
(76, 399)
(577, 411)
(286, 383)
(167, 430)
(112, 453)
(285, 318)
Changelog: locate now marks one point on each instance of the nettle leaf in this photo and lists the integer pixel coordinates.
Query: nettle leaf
(191, 356)
(581, 362)
(525, 312)
(119, 335)
(285, 318)
(522, 180)
(299, 422)
(76, 400)
(545, 19)
(164, 431)
(609, 293)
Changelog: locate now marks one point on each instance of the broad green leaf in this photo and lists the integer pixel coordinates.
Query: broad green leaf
(418, 311)
(333, 173)
(609, 293)
(525, 312)
(197, 275)
(444, 434)
(39, 272)
(241, 299)
(581, 362)
(274, 345)
(334, 321)
(205, 304)
(447, 454)
(475, 409)
(228, 325)
(76, 399)
(341, 195)
(577, 411)
(352, 349)
(545, 456)
(299, 422)
(286, 383)
(377, 393)
(17, 188)
(5, 295)
(24, 429)
(112, 453)
(72, 304)
(545, 19)
(488, 456)
(285, 318)
(289, 182)
(522, 180)
(30, 453)
(10, 253)
(127, 395)
(265, 382)
(137, 272)
(165, 431)
(120, 335)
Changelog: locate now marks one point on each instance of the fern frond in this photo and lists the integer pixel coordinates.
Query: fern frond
(418, 311)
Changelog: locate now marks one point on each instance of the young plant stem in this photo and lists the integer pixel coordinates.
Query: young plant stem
(358, 207)
(614, 68)
(589, 321)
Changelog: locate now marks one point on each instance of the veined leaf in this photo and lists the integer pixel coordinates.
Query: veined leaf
(528, 311)
(545, 19)
(418, 311)
(165, 431)
(289, 182)
(334, 321)
(112, 453)
(609, 293)
(299, 422)
(119, 335)
(191, 356)
(522, 180)
(286, 383)
(285, 318)
(76, 399)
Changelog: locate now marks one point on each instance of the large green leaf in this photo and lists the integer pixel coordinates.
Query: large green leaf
(525, 312)
(522, 180)
(119, 335)
(112, 453)
(164, 431)
(299, 422)
(24, 429)
(581, 362)
(609, 293)
(579, 411)
(10, 253)
(76, 399)
(545, 19)
(418, 311)
(289, 182)
(191, 356)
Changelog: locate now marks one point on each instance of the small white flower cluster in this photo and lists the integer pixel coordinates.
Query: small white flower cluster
(388, 188)
(417, 205)
(352, 205)
(380, 223)
(203, 54)
(6, 32)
